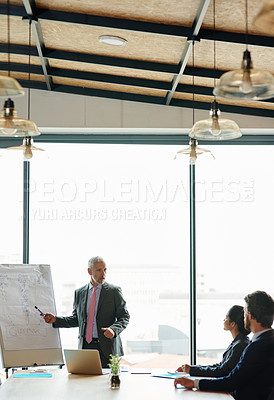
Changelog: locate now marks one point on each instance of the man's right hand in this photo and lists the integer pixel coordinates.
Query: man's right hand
(184, 368)
(49, 318)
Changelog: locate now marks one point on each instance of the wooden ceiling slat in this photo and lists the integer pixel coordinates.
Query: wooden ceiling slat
(141, 26)
(229, 56)
(114, 79)
(114, 61)
(177, 12)
(108, 86)
(230, 16)
(111, 70)
(85, 39)
(91, 58)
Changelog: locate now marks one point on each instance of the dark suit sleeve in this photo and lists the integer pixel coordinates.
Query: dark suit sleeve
(72, 320)
(245, 372)
(223, 368)
(122, 314)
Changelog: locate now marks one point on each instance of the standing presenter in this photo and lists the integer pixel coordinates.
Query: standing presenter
(100, 312)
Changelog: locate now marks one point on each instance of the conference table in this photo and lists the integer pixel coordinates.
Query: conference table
(134, 386)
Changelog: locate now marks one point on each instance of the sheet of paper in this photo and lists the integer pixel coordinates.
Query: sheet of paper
(169, 376)
(21, 288)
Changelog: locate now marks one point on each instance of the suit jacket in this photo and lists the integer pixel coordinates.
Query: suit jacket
(230, 358)
(111, 313)
(253, 376)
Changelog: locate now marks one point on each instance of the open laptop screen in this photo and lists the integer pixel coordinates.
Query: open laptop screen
(84, 362)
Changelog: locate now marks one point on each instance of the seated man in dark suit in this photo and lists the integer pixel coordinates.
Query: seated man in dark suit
(253, 376)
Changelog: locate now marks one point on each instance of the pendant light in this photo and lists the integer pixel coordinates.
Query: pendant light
(26, 128)
(246, 83)
(214, 128)
(264, 21)
(10, 124)
(9, 86)
(193, 151)
(27, 147)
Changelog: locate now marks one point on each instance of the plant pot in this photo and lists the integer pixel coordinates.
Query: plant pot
(115, 381)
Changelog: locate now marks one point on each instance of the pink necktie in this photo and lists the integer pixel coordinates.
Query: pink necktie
(91, 315)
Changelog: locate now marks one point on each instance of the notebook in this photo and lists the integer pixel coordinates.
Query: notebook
(84, 362)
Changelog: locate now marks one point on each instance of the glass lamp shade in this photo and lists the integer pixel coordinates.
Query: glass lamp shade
(27, 148)
(11, 125)
(215, 128)
(193, 151)
(246, 83)
(264, 21)
(9, 87)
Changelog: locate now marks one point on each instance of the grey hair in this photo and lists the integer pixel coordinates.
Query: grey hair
(93, 260)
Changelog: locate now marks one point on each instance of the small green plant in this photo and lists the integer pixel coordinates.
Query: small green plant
(114, 363)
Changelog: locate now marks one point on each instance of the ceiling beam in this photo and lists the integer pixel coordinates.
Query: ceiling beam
(93, 59)
(105, 78)
(38, 36)
(139, 26)
(197, 23)
(113, 79)
(87, 76)
(111, 61)
(109, 78)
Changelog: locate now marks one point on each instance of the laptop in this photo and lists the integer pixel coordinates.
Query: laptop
(84, 362)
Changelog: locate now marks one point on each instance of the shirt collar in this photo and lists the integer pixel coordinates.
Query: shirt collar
(90, 286)
(257, 334)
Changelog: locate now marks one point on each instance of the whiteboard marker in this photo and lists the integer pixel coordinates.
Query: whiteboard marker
(41, 312)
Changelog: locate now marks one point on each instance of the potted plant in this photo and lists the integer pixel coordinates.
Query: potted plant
(114, 361)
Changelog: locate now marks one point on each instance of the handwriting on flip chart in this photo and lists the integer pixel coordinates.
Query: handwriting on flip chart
(21, 287)
(33, 330)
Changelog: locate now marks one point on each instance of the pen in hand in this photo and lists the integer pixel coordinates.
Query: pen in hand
(41, 312)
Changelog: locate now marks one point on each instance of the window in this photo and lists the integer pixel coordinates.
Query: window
(11, 211)
(129, 204)
(234, 198)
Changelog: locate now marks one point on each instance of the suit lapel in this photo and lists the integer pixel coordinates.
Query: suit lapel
(103, 294)
(83, 300)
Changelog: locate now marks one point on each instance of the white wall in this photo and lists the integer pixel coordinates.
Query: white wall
(52, 109)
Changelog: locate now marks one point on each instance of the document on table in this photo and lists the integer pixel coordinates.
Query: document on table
(33, 375)
(170, 375)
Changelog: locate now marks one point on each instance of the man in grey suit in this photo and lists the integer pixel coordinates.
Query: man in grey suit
(110, 317)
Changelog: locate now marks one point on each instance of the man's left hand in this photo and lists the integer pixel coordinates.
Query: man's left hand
(186, 382)
(108, 332)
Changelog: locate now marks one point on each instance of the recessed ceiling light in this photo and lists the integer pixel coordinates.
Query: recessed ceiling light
(112, 40)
